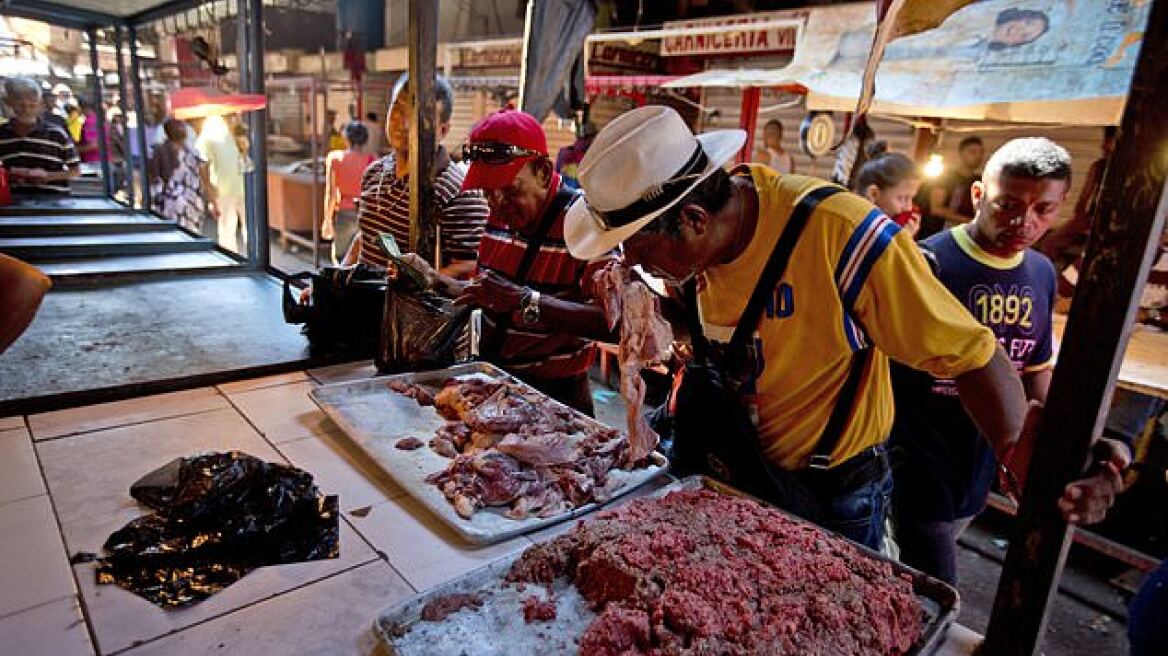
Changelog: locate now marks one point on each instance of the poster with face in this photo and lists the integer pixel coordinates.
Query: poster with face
(991, 51)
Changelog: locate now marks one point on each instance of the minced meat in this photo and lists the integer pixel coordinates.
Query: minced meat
(437, 609)
(535, 609)
(698, 572)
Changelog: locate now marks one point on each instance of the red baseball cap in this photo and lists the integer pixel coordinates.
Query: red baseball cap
(506, 126)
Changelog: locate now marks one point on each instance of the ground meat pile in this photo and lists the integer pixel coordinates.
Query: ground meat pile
(698, 572)
(437, 609)
(512, 447)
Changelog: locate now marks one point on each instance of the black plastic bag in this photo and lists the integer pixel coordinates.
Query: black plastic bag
(344, 315)
(219, 516)
(421, 330)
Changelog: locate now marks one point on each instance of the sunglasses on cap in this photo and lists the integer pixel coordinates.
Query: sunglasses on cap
(495, 153)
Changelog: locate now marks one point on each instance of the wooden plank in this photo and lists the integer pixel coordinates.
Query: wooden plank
(423, 42)
(1124, 239)
(1145, 362)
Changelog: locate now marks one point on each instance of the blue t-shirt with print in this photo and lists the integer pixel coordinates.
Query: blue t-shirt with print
(946, 467)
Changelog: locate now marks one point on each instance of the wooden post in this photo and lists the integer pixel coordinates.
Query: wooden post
(1125, 237)
(423, 40)
(107, 181)
(747, 120)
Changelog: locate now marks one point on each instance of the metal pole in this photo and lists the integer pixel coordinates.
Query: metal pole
(317, 192)
(122, 94)
(314, 153)
(423, 43)
(99, 111)
(1133, 202)
(140, 111)
(257, 121)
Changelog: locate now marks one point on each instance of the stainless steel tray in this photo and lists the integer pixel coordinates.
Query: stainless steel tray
(374, 418)
(497, 628)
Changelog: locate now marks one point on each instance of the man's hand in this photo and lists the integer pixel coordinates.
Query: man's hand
(1086, 500)
(415, 262)
(493, 293)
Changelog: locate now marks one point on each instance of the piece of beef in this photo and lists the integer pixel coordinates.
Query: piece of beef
(535, 609)
(415, 392)
(539, 449)
(645, 338)
(443, 447)
(409, 444)
(439, 608)
(703, 573)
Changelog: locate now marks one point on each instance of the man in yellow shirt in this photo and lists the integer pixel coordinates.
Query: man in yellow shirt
(855, 293)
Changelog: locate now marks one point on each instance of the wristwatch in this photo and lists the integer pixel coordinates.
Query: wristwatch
(529, 307)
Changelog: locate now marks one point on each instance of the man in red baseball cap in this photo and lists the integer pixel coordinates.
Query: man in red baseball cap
(540, 318)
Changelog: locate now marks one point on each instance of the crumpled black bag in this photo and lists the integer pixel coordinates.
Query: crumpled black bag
(421, 330)
(344, 315)
(219, 516)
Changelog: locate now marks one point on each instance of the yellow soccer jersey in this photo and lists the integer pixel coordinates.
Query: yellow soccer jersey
(850, 256)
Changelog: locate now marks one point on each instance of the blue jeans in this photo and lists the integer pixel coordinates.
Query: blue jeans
(857, 510)
(1130, 413)
(1148, 615)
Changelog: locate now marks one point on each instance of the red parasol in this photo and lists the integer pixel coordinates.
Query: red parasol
(201, 102)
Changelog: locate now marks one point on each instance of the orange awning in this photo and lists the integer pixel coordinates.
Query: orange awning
(201, 102)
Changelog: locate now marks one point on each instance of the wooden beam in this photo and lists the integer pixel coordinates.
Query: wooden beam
(423, 42)
(1125, 237)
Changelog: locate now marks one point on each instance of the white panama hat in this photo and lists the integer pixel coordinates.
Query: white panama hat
(640, 165)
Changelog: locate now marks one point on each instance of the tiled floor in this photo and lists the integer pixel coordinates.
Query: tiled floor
(64, 488)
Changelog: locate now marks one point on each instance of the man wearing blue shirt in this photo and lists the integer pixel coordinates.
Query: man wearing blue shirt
(989, 267)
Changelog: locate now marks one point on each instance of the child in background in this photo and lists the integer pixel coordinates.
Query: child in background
(889, 181)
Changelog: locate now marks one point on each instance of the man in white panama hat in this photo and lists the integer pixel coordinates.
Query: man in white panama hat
(853, 293)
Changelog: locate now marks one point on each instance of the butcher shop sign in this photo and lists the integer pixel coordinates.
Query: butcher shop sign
(773, 32)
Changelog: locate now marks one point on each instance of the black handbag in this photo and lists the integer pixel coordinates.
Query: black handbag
(343, 317)
(714, 433)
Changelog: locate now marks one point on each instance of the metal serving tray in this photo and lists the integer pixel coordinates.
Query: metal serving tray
(497, 628)
(375, 417)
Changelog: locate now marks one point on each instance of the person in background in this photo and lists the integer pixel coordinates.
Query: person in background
(569, 157)
(343, 172)
(541, 327)
(179, 185)
(50, 114)
(22, 288)
(890, 181)
(89, 147)
(1064, 244)
(988, 265)
(74, 121)
(216, 145)
(117, 142)
(948, 203)
(334, 140)
(384, 201)
(64, 97)
(40, 158)
(376, 134)
(771, 153)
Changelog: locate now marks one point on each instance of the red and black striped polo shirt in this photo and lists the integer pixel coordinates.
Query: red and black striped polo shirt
(546, 354)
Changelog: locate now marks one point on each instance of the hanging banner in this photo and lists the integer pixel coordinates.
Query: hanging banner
(759, 34)
(993, 51)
